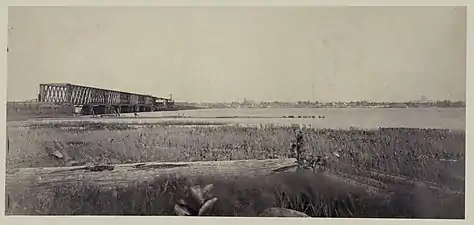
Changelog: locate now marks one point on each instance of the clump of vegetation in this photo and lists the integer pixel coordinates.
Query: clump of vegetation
(197, 201)
(304, 160)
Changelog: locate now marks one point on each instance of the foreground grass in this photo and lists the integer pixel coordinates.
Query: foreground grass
(310, 193)
(426, 154)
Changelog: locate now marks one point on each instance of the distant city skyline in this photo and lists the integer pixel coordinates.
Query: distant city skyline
(260, 101)
(423, 98)
(223, 54)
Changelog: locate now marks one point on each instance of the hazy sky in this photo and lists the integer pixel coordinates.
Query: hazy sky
(228, 53)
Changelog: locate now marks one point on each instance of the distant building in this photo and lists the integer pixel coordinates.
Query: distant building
(423, 99)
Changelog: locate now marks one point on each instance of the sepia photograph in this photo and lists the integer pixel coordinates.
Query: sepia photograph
(236, 111)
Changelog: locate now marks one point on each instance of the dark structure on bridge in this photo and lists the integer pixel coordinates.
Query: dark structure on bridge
(90, 100)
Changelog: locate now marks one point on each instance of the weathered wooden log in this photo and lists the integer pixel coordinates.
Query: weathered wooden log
(122, 174)
(139, 172)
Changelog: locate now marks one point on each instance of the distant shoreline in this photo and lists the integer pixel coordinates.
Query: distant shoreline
(308, 104)
(292, 107)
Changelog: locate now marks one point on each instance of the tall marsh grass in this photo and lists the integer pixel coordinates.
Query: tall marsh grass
(427, 154)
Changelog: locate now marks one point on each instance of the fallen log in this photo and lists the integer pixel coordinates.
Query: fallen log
(123, 174)
(139, 172)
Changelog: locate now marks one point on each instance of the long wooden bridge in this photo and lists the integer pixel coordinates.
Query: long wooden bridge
(92, 100)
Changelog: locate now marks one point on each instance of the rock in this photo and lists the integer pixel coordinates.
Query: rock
(281, 212)
(58, 154)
